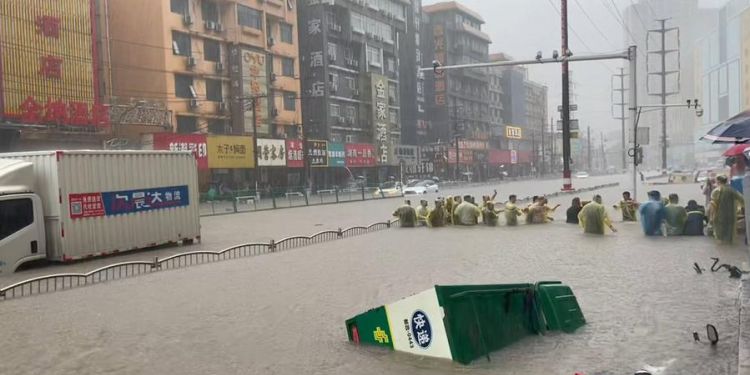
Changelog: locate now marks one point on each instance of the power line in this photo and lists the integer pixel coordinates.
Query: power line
(585, 13)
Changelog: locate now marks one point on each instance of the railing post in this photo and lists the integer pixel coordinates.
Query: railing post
(272, 246)
(307, 199)
(336, 189)
(340, 234)
(234, 204)
(363, 192)
(273, 199)
(155, 264)
(388, 223)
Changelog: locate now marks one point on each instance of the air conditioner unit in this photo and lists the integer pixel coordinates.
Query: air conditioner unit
(219, 28)
(333, 89)
(193, 103)
(223, 106)
(273, 77)
(219, 67)
(271, 42)
(274, 112)
(210, 25)
(187, 20)
(191, 62)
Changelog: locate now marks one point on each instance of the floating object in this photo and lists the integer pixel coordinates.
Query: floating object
(466, 322)
(642, 372)
(697, 268)
(734, 271)
(712, 333)
(696, 336)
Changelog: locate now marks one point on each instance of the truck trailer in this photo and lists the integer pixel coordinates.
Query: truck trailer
(69, 205)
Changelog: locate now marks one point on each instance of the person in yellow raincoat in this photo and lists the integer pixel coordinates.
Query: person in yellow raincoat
(436, 217)
(466, 213)
(406, 215)
(456, 202)
(422, 212)
(628, 207)
(489, 214)
(725, 202)
(448, 206)
(593, 217)
(512, 212)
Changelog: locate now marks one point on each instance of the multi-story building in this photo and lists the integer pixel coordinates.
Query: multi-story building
(53, 92)
(461, 97)
(536, 120)
(359, 72)
(722, 63)
(222, 67)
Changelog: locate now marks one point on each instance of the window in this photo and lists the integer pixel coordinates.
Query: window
(393, 116)
(332, 52)
(210, 11)
(333, 80)
(216, 126)
(213, 90)
(187, 124)
(181, 44)
(391, 64)
(335, 110)
(373, 56)
(287, 67)
(211, 50)
(392, 92)
(183, 86)
(286, 33)
(249, 17)
(358, 24)
(351, 112)
(16, 214)
(351, 83)
(290, 101)
(179, 7)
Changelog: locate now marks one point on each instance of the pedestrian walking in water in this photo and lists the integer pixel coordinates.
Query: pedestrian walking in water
(593, 217)
(675, 216)
(436, 217)
(422, 212)
(696, 219)
(652, 214)
(628, 206)
(489, 215)
(571, 215)
(466, 213)
(406, 215)
(725, 203)
(512, 212)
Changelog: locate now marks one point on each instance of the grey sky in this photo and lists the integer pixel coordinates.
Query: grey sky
(523, 27)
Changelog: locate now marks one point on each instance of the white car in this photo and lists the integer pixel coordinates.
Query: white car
(582, 174)
(421, 187)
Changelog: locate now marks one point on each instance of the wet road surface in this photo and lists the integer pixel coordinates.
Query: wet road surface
(283, 313)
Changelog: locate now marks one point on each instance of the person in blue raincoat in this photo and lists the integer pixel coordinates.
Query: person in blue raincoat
(652, 214)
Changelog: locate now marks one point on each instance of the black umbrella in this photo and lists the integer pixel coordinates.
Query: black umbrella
(734, 130)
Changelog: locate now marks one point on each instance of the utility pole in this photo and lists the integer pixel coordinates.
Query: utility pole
(662, 52)
(567, 182)
(456, 137)
(621, 103)
(588, 145)
(543, 167)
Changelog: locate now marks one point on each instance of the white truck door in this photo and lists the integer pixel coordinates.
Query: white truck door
(22, 236)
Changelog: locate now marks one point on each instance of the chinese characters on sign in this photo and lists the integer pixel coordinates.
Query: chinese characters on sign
(195, 143)
(439, 39)
(465, 156)
(125, 202)
(271, 152)
(317, 153)
(513, 132)
(255, 85)
(230, 152)
(360, 155)
(58, 112)
(294, 154)
(380, 117)
(336, 155)
(472, 144)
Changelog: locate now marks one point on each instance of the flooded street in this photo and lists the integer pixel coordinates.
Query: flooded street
(284, 313)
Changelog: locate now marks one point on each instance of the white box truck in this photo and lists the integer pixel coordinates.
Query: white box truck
(69, 205)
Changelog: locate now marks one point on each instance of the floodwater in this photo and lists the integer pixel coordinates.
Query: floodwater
(284, 313)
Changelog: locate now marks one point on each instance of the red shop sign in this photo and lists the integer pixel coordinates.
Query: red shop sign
(294, 154)
(360, 155)
(195, 143)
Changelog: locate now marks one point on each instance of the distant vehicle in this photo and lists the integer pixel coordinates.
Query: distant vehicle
(388, 189)
(421, 187)
(582, 174)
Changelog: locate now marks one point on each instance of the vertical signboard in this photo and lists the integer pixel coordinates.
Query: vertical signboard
(439, 45)
(271, 152)
(336, 155)
(49, 66)
(317, 153)
(255, 85)
(380, 117)
(360, 155)
(230, 152)
(294, 154)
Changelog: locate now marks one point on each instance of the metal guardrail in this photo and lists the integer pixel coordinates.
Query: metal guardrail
(117, 271)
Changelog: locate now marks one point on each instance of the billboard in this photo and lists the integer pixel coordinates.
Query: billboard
(49, 69)
(336, 154)
(295, 157)
(195, 143)
(360, 155)
(230, 152)
(513, 132)
(254, 75)
(317, 152)
(271, 152)
(380, 118)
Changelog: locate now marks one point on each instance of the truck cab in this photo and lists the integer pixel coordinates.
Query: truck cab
(22, 230)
